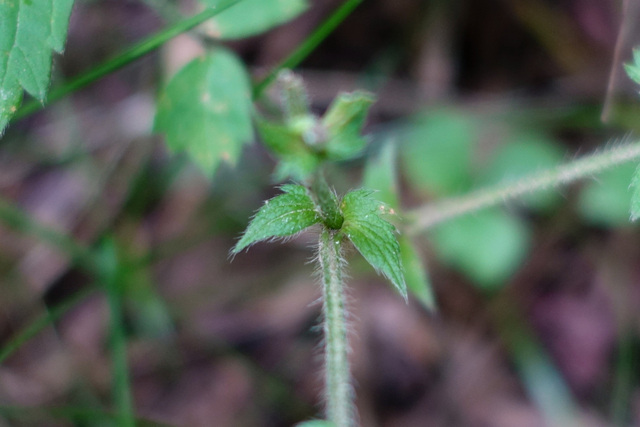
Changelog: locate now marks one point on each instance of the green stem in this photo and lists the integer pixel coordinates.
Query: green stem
(432, 214)
(339, 396)
(317, 37)
(140, 49)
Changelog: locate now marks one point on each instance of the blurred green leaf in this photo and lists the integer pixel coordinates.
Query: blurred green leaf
(525, 154)
(205, 110)
(415, 274)
(380, 175)
(487, 246)
(251, 17)
(29, 31)
(373, 236)
(296, 160)
(343, 122)
(437, 152)
(284, 215)
(606, 200)
(635, 196)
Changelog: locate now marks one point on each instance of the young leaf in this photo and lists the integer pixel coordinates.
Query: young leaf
(206, 108)
(296, 159)
(373, 236)
(344, 121)
(251, 17)
(635, 196)
(284, 215)
(29, 30)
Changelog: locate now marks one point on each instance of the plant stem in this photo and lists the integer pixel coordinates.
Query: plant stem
(339, 396)
(430, 215)
(140, 49)
(298, 55)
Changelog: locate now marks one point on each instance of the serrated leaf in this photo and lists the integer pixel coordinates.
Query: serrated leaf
(282, 216)
(373, 236)
(415, 274)
(635, 195)
(251, 17)
(605, 201)
(29, 31)
(206, 108)
(296, 159)
(487, 246)
(343, 122)
(380, 175)
(633, 70)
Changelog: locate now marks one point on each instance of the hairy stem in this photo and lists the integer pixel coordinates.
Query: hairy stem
(432, 214)
(339, 396)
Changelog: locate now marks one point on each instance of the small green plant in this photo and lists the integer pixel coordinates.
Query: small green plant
(213, 96)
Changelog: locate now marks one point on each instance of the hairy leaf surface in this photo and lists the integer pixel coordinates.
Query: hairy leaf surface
(282, 216)
(635, 195)
(251, 17)
(29, 31)
(373, 236)
(205, 110)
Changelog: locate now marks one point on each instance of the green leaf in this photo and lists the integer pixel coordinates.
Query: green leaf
(251, 17)
(373, 236)
(343, 122)
(416, 274)
(282, 216)
(525, 154)
(296, 159)
(635, 195)
(205, 110)
(380, 175)
(606, 200)
(487, 246)
(437, 152)
(29, 30)
(633, 70)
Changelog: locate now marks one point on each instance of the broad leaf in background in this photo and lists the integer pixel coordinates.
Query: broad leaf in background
(282, 216)
(524, 154)
(373, 236)
(380, 175)
(605, 200)
(437, 152)
(487, 246)
(29, 30)
(251, 17)
(343, 122)
(206, 108)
